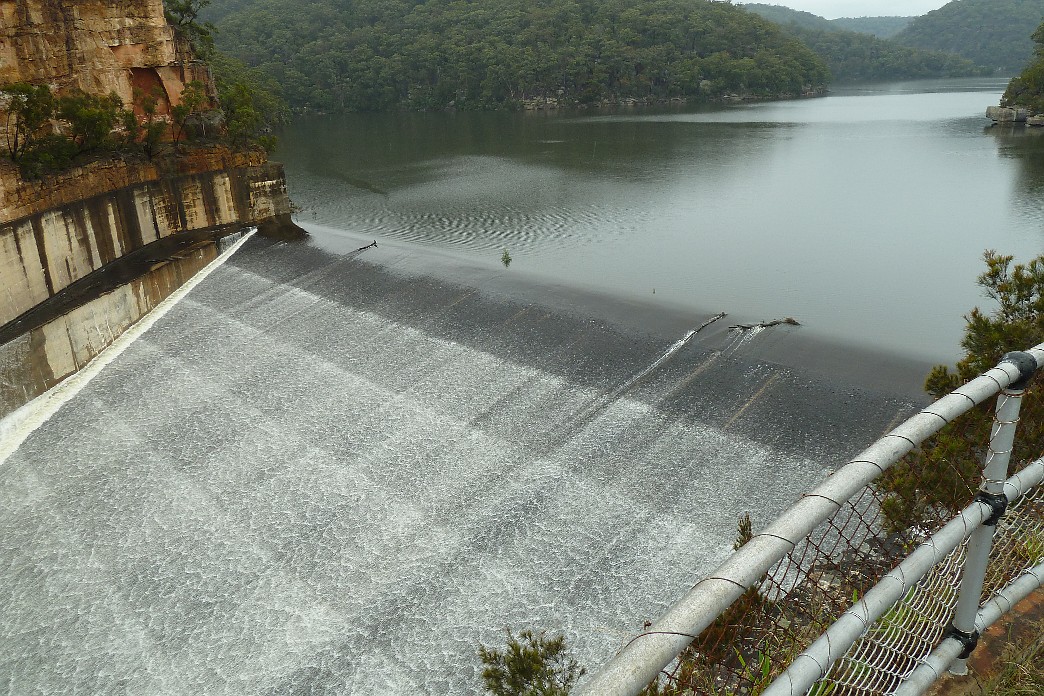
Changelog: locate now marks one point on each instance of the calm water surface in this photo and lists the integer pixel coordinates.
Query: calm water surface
(863, 214)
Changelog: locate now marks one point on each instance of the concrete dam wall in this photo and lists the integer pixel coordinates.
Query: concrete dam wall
(90, 259)
(334, 473)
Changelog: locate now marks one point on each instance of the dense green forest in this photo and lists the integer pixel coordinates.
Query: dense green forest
(858, 57)
(881, 27)
(994, 33)
(375, 55)
(1027, 89)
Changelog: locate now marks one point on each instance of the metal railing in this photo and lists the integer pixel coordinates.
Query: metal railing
(837, 526)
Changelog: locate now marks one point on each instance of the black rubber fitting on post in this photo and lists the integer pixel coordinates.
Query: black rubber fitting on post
(968, 640)
(1025, 363)
(998, 503)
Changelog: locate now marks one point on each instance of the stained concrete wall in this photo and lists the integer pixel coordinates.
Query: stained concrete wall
(43, 253)
(41, 358)
(79, 225)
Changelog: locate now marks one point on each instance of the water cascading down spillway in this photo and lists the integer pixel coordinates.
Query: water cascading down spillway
(321, 473)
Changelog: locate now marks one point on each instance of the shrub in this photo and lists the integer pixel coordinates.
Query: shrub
(531, 665)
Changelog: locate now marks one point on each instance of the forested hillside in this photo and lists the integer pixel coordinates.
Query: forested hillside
(784, 15)
(857, 57)
(994, 33)
(372, 55)
(1027, 89)
(881, 27)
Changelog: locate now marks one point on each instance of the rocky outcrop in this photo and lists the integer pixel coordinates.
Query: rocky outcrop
(1004, 114)
(97, 46)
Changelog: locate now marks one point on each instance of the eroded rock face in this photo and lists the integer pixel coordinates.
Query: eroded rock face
(1004, 114)
(98, 47)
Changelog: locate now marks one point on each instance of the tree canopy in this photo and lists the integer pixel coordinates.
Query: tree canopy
(376, 55)
(881, 27)
(994, 33)
(944, 470)
(1027, 88)
(856, 57)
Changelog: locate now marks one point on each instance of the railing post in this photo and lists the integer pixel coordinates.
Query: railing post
(995, 472)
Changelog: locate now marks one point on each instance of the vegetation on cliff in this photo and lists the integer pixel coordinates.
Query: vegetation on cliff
(89, 123)
(1027, 88)
(993, 33)
(436, 54)
(859, 57)
(48, 132)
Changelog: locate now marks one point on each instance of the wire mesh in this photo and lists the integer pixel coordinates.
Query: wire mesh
(762, 632)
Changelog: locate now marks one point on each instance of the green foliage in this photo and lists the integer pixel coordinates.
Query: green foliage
(1027, 88)
(881, 27)
(149, 132)
(434, 54)
(531, 665)
(183, 15)
(994, 33)
(50, 153)
(859, 57)
(29, 111)
(194, 100)
(242, 118)
(90, 118)
(505, 258)
(786, 16)
(46, 133)
(744, 532)
(933, 478)
(265, 94)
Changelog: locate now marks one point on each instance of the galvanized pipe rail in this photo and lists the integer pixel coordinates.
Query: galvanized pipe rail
(645, 656)
(933, 667)
(815, 662)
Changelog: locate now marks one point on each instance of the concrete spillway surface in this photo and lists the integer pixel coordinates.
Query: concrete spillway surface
(322, 473)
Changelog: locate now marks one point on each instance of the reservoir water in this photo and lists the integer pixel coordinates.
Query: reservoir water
(864, 214)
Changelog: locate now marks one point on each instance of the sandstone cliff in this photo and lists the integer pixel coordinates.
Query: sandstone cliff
(100, 244)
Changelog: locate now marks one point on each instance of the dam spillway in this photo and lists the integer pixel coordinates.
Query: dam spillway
(329, 473)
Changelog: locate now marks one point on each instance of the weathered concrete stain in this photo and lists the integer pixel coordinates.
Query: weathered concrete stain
(40, 358)
(46, 252)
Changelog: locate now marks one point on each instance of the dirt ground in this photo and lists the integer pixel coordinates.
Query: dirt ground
(1021, 626)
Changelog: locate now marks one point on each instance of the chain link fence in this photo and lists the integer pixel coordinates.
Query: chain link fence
(744, 649)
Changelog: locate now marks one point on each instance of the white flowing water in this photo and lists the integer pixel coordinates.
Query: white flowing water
(293, 484)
